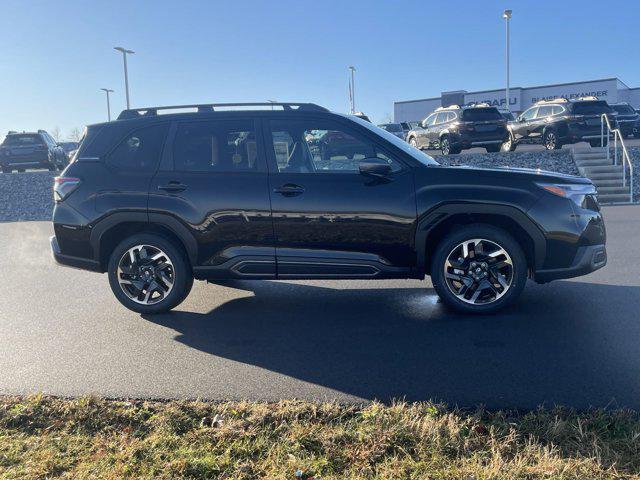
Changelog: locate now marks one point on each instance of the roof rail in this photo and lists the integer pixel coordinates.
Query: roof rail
(552, 100)
(586, 97)
(479, 105)
(455, 107)
(210, 107)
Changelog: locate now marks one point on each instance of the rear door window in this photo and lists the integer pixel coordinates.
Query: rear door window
(216, 146)
(544, 111)
(140, 150)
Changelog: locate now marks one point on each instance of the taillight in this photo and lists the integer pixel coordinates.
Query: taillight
(63, 187)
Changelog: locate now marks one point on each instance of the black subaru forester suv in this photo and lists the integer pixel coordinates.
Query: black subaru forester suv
(158, 200)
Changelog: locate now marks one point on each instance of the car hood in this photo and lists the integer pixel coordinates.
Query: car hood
(536, 175)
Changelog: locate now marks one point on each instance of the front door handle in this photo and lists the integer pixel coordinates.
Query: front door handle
(173, 187)
(289, 190)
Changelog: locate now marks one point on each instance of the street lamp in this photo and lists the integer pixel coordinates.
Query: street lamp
(272, 102)
(507, 16)
(107, 91)
(126, 76)
(352, 91)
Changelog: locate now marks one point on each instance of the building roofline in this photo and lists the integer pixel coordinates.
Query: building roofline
(418, 100)
(526, 88)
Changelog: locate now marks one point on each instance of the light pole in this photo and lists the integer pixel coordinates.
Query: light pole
(126, 76)
(107, 91)
(507, 16)
(352, 90)
(272, 102)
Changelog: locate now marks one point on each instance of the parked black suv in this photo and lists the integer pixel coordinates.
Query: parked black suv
(158, 200)
(20, 151)
(454, 128)
(559, 121)
(626, 117)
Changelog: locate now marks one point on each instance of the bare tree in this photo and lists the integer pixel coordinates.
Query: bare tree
(388, 118)
(56, 134)
(75, 135)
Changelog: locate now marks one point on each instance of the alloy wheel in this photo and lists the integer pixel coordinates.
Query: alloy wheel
(145, 274)
(478, 271)
(550, 140)
(446, 148)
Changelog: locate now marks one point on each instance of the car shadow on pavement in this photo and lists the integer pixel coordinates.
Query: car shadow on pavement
(570, 343)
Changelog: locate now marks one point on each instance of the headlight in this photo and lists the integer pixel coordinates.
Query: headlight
(583, 195)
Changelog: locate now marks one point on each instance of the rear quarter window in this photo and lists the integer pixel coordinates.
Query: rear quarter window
(140, 150)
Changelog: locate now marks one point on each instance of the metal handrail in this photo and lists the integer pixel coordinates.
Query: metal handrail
(604, 119)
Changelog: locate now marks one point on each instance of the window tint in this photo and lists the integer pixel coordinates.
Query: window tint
(529, 114)
(23, 139)
(451, 116)
(321, 147)
(140, 150)
(216, 146)
(442, 117)
(556, 109)
(431, 119)
(591, 108)
(481, 114)
(544, 111)
(624, 109)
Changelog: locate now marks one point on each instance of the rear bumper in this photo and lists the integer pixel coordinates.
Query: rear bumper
(588, 259)
(69, 261)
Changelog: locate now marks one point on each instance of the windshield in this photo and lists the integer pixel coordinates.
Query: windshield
(623, 109)
(23, 139)
(396, 141)
(391, 127)
(481, 114)
(591, 108)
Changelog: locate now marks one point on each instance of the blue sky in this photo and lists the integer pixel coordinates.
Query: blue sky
(57, 55)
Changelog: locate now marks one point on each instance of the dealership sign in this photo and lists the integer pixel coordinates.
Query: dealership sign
(570, 96)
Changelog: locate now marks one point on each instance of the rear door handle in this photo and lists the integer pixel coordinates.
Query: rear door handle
(173, 187)
(289, 190)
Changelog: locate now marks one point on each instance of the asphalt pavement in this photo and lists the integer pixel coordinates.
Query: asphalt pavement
(572, 342)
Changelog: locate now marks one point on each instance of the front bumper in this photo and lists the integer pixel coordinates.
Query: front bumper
(588, 259)
(70, 261)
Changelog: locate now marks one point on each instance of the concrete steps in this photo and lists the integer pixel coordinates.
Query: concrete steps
(593, 164)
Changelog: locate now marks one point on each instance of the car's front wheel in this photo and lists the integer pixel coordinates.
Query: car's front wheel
(447, 147)
(413, 142)
(149, 274)
(478, 269)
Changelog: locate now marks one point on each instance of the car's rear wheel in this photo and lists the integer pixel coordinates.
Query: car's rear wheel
(551, 140)
(596, 143)
(149, 274)
(413, 142)
(493, 148)
(478, 269)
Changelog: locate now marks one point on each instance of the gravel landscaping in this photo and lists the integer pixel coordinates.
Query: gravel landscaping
(26, 196)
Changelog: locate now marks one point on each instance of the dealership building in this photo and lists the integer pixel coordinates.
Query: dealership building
(520, 98)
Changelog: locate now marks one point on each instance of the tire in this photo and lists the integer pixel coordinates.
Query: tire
(505, 290)
(21, 170)
(493, 148)
(508, 145)
(550, 140)
(595, 143)
(413, 143)
(178, 270)
(447, 148)
(6, 170)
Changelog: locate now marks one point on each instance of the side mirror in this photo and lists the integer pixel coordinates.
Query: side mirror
(375, 167)
(520, 118)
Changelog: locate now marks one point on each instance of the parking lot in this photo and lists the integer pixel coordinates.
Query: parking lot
(573, 342)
